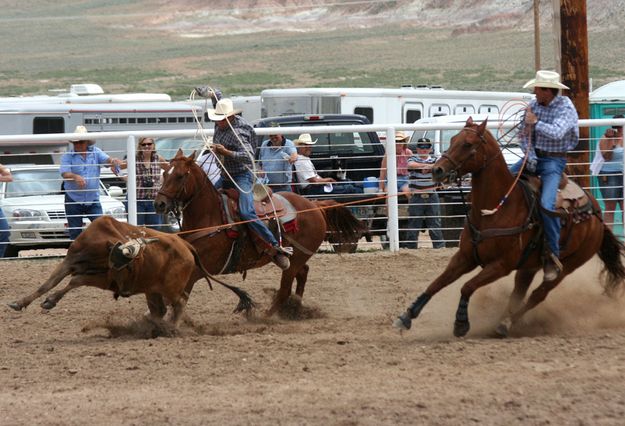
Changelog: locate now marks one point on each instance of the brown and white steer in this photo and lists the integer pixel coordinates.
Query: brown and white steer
(160, 266)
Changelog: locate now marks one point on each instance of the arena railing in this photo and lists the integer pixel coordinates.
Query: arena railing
(391, 211)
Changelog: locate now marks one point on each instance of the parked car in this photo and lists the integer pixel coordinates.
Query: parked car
(34, 207)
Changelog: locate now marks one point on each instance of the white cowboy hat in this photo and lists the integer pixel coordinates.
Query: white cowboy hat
(545, 79)
(223, 109)
(304, 139)
(82, 130)
(401, 136)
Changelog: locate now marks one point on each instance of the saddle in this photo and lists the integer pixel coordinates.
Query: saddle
(267, 208)
(572, 202)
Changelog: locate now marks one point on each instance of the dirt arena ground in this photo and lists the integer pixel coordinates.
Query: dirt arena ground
(92, 360)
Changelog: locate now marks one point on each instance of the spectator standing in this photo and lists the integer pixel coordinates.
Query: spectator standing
(149, 169)
(424, 209)
(235, 140)
(5, 176)
(611, 172)
(402, 154)
(80, 169)
(276, 156)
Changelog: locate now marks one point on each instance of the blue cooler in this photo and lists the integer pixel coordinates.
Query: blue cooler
(370, 185)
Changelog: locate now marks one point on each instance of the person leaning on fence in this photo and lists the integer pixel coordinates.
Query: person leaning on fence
(424, 209)
(149, 166)
(235, 140)
(549, 130)
(402, 154)
(276, 156)
(5, 176)
(80, 169)
(309, 181)
(608, 165)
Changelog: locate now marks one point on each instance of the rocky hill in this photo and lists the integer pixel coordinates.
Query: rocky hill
(197, 18)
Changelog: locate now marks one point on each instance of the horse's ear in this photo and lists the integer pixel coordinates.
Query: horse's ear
(180, 153)
(482, 127)
(192, 156)
(469, 122)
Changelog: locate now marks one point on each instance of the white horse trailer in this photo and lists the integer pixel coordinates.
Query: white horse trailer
(382, 106)
(88, 105)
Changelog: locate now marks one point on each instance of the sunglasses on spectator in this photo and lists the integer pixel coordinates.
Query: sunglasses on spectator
(147, 144)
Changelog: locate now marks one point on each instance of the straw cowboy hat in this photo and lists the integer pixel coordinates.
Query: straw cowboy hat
(545, 79)
(223, 109)
(304, 139)
(401, 137)
(82, 130)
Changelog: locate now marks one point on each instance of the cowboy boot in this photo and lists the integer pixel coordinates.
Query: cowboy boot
(281, 257)
(552, 267)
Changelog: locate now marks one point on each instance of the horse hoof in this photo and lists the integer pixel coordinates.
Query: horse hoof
(403, 322)
(461, 328)
(48, 304)
(15, 306)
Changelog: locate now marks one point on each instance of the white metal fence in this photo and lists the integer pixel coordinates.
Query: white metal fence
(396, 220)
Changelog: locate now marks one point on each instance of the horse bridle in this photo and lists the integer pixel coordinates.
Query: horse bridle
(454, 172)
(180, 206)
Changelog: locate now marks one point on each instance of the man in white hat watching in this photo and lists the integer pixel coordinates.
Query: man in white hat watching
(80, 169)
(235, 140)
(548, 131)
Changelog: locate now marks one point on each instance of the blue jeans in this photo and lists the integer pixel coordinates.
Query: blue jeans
(425, 213)
(146, 215)
(75, 212)
(550, 171)
(246, 206)
(4, 233)
(337, 188)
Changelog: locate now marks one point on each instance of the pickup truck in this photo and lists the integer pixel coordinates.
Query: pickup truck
(352, 156)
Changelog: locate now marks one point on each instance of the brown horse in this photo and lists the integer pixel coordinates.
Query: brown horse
(502, 242)
(186, 188)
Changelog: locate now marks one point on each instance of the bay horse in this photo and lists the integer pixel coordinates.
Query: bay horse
(186, 188)
(504, 241)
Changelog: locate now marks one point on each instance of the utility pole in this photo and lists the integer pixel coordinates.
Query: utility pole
(536, 35)
(573, 52)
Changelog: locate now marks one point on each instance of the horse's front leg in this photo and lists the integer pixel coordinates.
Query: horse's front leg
(490, 273)
(458, 266)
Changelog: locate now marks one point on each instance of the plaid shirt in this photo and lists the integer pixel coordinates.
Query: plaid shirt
(243, 150)
(148, 177)
(557, 128)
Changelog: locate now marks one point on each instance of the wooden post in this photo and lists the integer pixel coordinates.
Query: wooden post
(536, 35)
(574, 71)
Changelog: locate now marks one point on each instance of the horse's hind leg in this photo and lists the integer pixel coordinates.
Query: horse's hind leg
(286, 285)
(522, 281)
(60, 272)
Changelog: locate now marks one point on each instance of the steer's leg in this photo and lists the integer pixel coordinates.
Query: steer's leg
(179, 306)
(99, 281)
(156, 305)
(60, 272)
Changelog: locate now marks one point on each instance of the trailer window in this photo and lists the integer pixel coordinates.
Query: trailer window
(48, 125)
(366, 111)
(413, 115)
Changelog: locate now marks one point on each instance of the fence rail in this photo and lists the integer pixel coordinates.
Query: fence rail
(393, 221)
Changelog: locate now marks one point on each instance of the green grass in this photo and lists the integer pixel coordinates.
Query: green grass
(57, 51)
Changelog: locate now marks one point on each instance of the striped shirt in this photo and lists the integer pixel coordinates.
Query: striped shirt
(243, 149)
(420, 179)
(557, 128)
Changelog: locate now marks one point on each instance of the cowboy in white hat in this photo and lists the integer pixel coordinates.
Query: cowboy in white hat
(548, 131)
(309, 181)
(235, 140)
(80, 169)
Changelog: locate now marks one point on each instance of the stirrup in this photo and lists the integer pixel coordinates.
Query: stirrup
(552, 268)
(287, 251)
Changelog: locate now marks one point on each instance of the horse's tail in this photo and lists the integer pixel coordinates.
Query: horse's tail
(611, 254)
(343, 226)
